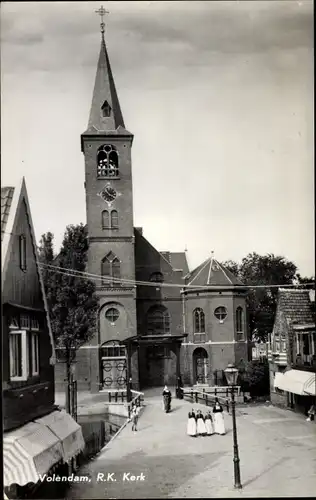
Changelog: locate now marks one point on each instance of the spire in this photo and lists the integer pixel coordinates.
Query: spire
(105, 113)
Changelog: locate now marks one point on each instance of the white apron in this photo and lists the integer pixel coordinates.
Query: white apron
(209, 426)
(219, 425)
(191, 427)
(200, 426)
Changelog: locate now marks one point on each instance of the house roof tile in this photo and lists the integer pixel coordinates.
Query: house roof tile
(296, 305)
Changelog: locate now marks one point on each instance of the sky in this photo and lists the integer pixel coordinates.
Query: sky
(218, 95)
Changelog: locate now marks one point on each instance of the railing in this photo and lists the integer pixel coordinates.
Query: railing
(208, 398)
(116, 396)
(137, 400)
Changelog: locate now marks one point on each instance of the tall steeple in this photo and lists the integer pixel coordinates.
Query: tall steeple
(105, 112)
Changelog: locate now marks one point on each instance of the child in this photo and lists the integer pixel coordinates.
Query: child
(134, 418)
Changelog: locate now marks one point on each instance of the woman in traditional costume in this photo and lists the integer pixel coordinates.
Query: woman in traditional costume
(191, 427)
(200, 425)
(209, 424)
(166, 396)
(219, 425)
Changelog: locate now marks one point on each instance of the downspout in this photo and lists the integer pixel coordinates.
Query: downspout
(183, 310)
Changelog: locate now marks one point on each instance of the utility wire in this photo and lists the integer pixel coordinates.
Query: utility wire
(155, 284)
(83, 274)
(158, 284)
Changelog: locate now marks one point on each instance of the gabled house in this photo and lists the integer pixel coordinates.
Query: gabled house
(292, 351)
(37, 436)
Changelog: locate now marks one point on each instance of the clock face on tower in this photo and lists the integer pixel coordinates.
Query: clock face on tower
(108, 194)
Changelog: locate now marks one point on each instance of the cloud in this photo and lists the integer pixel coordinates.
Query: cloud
(217, 94)
(193, 33)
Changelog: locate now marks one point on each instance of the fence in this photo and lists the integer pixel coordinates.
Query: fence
(208, 398)
(137, 400)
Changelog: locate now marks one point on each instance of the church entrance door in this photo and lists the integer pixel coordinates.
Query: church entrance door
(113, 366)
(200, 363)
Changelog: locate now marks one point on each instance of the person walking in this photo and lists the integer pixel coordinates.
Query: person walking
(166, 397)
(134, 418)
(219, 425)
(191, 426)
(209, 424)
(200, 425)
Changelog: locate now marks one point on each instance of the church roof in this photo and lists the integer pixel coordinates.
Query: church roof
(212, 273)
(105, 96)
(178, 260)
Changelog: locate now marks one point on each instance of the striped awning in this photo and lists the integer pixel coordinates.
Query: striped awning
(296, 381)
(67, 430)
(28, 453)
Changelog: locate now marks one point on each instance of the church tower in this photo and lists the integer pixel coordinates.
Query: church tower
(106, 145)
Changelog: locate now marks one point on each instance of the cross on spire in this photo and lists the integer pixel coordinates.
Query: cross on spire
(102, 13)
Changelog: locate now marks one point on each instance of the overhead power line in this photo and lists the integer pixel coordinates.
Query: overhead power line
(90, 276)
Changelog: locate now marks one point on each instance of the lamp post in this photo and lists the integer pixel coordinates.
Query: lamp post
(231, 373)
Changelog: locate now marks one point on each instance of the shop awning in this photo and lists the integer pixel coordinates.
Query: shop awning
(29, 452)
(296, 381)
(67, 430)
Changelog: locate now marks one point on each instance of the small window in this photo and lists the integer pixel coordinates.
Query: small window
(35, 354)
(18, 355)
(14, 323)
(112, 315)
(239, 323)
(105, 219)
(23, 253)
(25, 321)
(34, 325)
(106, 109)
(114, 219)
(220, 313)
(157, 277)
(198, 320)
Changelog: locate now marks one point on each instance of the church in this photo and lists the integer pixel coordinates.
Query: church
(157, 320)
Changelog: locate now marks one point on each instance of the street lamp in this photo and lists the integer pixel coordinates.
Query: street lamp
(231, 373)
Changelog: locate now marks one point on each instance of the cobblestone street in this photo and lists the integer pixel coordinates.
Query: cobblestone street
(277, 457)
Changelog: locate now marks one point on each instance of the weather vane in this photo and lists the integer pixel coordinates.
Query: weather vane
(102, 13)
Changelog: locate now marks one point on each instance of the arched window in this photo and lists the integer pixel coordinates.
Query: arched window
(107, 160)
(158, 320)
(114, 219)
(198, 320)
(239, 322)
(105, 219)
(110, 219)
(110, 270)
(157, 277)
